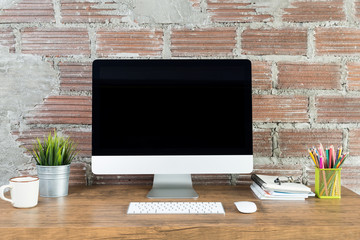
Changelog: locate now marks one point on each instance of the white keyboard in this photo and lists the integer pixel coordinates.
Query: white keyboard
(175, 208)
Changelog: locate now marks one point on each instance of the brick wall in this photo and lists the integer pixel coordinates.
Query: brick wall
(305, 55)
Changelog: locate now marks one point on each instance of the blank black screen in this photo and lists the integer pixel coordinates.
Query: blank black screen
(172, 107)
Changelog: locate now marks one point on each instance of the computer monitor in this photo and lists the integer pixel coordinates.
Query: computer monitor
(172, 118)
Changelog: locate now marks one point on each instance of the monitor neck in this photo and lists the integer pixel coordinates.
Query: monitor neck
(172, 186)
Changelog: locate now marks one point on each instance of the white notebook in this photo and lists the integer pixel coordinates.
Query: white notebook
(268, 183)
(261, 194)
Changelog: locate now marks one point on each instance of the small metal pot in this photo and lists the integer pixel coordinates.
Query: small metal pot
(54, 180)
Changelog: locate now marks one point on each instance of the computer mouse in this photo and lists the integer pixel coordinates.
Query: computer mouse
(246, 207)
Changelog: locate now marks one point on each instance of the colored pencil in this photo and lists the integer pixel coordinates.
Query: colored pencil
(313, 158)
(333, 156)
(339, 152)
(328, 157)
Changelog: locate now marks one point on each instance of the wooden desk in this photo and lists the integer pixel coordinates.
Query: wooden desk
(100, 212)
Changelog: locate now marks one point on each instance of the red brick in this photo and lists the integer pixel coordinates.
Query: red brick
(314, 11)
(211, 179)
(237, 11)
(75, 76)
(59, 42)
(123, 179)
(28, 11)
(274, 41)
(261, 75)
(203, 42)
(294, 143)
(278, 170)
(89, 11)
(62, 110)
(28, 138)
(82, 139)
(147, 179)
(354, 142)
(133, 43)
(7, 39)
(28, 169)
(353, 77)
(337, 41)
(77, 174)
(338, 109)
(271, 108)
(262, 143)
(309, 75)
(242, 179)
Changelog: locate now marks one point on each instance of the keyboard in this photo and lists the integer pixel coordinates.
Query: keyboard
(175, 208)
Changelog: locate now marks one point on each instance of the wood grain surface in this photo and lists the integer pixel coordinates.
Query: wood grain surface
(99, 212)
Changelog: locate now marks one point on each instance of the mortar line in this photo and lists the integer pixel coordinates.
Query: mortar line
(350, 13)
(93, 41)
(343, 77)
(166, 51)
(238, 45)
(203, 6)
(294, 126)
(18, 45)
(346, 139)
(57, 12)
(306, 92)
(257, 25)
(275, 148)
(57, 90)
(274, 75)
(312, 110)
(311, 48)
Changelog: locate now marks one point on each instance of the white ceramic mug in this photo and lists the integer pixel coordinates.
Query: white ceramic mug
(24, 191)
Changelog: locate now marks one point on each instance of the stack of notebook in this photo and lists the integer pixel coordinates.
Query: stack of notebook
(269, 187)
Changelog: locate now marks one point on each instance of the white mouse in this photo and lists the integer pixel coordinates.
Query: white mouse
(246, 207)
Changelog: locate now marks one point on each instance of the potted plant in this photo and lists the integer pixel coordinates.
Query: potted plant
(53, 158)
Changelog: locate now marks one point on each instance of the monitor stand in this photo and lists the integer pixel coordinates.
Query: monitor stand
(172, 186)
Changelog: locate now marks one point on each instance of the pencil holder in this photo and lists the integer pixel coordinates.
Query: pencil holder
(328, 182)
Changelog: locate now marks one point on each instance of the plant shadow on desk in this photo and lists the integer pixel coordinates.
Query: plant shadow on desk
(53, 157)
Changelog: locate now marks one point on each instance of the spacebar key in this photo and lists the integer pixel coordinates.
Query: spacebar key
(172, 211)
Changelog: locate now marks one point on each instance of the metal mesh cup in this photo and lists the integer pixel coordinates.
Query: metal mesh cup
(328, 182)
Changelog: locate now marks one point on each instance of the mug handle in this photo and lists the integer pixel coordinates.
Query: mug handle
(2, 189)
